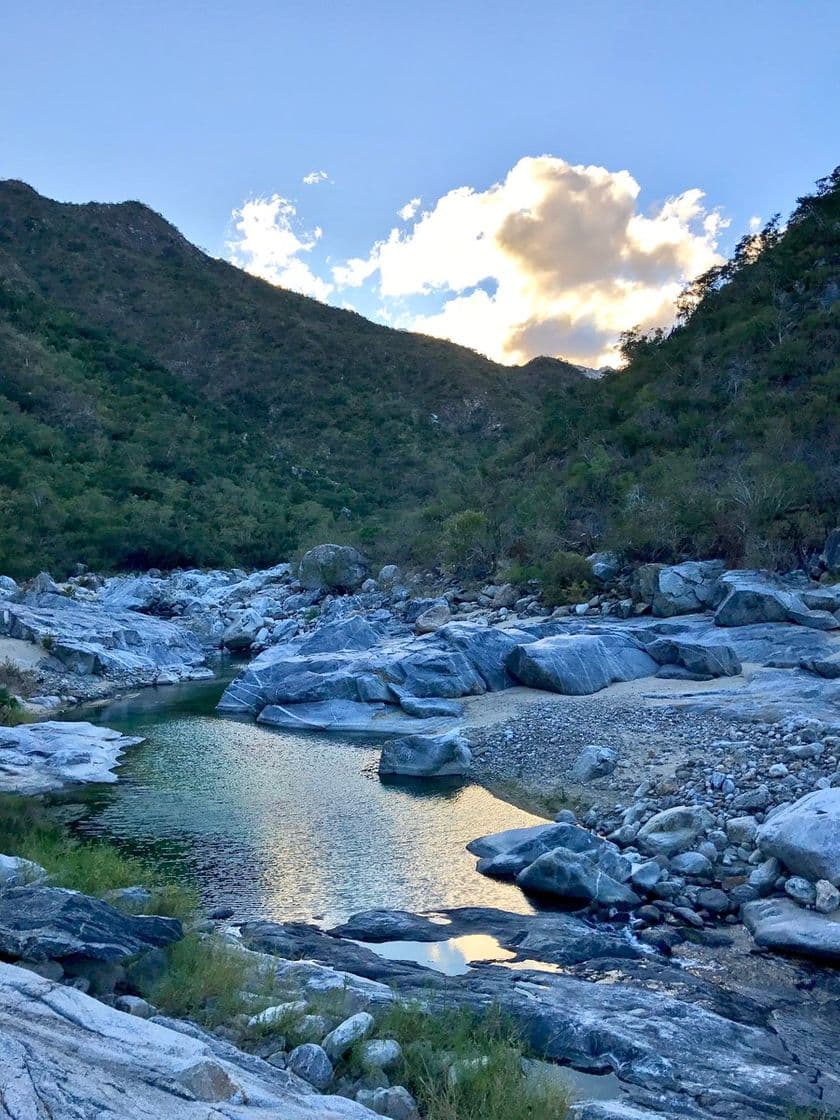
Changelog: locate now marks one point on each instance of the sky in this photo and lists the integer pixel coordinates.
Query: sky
(523, 179)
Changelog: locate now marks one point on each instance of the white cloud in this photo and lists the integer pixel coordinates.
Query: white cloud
(555, 259)
(268, 245)
(315, 177)
(755, 224)
(410, 209)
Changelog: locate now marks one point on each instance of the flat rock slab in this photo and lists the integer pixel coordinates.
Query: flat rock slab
(39, 757)
(780, 924)
(50, 923)
(351, 716)
(65, 1055)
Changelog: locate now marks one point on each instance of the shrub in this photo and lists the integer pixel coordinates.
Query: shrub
(467, 542)
(566, 578)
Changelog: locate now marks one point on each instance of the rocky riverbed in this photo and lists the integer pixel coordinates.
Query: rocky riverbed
(683, 726)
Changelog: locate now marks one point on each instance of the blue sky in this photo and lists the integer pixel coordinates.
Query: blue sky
(198, 109)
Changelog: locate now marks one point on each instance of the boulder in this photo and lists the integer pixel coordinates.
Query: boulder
(673, 830)
(340, 1040)
(427, 707)
(576, 876)
(593, 762)
(416, 607)
(577, 664)
(686, 588)
(18, 872)
(243, 631)
(39, 757)
(426, 756)
(332, 567)
(310, 1062)
(381, 1053)
(805, 836)
(494, 843)
(433, 619)
(48, 923)
(509, 861)
(8, 587)
(64, 1054)
(486, 648)
(751, 597)
(644, 582)
(351, 716)
(826, 667)
(782, 925)
(699, 659)
(605, 566)
(389, 576)
(354, 633)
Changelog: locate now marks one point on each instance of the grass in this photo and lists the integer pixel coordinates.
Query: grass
(91, 866)
(208, 981)
(463, 1065)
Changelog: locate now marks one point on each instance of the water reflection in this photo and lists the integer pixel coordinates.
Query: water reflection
(287, 825)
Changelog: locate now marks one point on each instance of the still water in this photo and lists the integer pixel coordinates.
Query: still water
(289, 825)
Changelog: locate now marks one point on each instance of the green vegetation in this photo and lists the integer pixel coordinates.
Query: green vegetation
(205, 980)
(161, 408)
(28, 829)
(460, 1065)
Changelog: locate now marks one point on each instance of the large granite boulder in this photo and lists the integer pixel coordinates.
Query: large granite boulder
(805, 836)
(579, 877)
(66, 1055)
(333, 567)
(40, 757)
(784, 926)
(91, 638)
(686, 588)
(508, 861)
(242, 632)
(426, 756)
(700, 660)
(40, 923)
(346, 633)
(352, 717)
(752, 597)
(673, 830)
(487, 649)
(577, 664)
(494, 843)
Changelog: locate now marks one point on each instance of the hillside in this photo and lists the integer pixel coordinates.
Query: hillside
(719, 438)
(159, 407)
(163, 407)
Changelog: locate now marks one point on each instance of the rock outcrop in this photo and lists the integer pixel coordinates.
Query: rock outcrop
(426, 756)
(40, 757)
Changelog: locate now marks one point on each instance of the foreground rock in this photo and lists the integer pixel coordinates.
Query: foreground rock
(426, 756)
(63, 1054)
(49, 923)
(39, 757)
(782, 925)
(805, 836)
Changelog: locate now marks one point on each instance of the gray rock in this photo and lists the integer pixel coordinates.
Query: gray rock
(486, 648)
(433, 619)
(763, 877)
(646, 875)
(714, 900)
(686, 588)
(782, 925)
(801, 891)
(332, 567)
(40, 757)
(64, 1054)
(351, 716)
(605, 566)
(352, 633)
(577, 664)
(8, 587)
(692, 863)
(389, 576)
(575, 875)
(382, 1053)
(427, 707)
(18, 872)
(494, 843)
(741, 830)
(426, 756)
(508, 862)
(826, 897)
(752, 597)
(805, 836)
(310, 1062)
(752, 799)
(242, 632)
(48, 923)
(339, 1041)
(394, 1101)
(673, 830)
(593, 762)
(698, 659)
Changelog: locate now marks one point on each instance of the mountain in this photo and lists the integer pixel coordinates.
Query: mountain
(159, 407)
(162, 407)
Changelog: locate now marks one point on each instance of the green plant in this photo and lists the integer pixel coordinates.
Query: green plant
(462, 1065)
(11, 710)
(566, 578)
(22, 682)
(467, 542)
(207, 980)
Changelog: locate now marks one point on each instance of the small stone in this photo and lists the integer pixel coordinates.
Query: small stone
(689, 916)
(311, 1063)
(340, 1040)
(134, 1005)
(383, 1053)
(741, 830)
(209, 1081)
(221, 913)
(692, 863)
(801, 891)
(714, 900)
(827, 897)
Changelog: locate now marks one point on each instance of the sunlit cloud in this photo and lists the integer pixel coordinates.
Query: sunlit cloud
(315, 177)
(410, 209)
(268, 244)
(555, 259)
